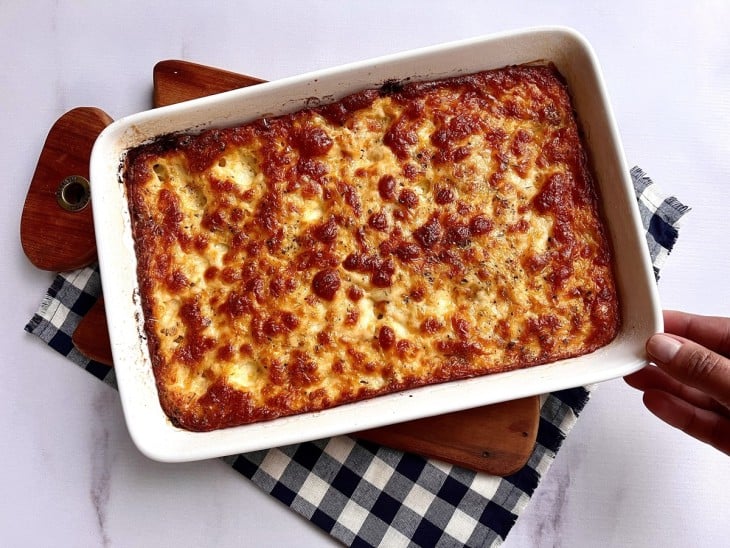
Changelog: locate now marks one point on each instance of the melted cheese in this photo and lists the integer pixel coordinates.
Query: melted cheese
(396, 238)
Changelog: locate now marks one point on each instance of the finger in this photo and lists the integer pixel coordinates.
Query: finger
(693, 365)
(710, 331)
(653, 378)
(701, 424)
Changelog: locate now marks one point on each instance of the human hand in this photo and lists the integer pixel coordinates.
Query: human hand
(689, 388)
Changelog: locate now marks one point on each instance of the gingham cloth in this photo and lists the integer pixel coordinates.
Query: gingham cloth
(366, 495)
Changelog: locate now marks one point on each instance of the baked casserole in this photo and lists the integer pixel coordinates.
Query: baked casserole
(412, 234)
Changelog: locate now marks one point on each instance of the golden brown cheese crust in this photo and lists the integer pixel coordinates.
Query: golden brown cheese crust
(399, 237)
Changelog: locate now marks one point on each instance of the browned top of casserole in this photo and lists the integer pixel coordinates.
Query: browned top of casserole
(401, 236)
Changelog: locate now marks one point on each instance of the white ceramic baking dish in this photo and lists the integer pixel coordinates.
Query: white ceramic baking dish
(150, 429)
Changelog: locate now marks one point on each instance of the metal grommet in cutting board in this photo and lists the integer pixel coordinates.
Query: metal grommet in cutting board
(74, 193)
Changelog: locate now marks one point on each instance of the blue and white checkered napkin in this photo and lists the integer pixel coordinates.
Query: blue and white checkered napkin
(364, 494)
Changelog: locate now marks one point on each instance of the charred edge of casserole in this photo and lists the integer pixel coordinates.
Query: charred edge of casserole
(135, 171)
(222, 406)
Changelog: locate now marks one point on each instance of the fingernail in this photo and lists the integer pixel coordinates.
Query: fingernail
(663, 348)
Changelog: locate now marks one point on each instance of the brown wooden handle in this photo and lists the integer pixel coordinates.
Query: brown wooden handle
(178, 81)
(56, 232)
(494, 438)
(91, 336)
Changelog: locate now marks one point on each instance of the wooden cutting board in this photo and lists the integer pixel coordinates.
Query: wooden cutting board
(496, 439)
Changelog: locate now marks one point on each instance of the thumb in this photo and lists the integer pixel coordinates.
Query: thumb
(692, 364)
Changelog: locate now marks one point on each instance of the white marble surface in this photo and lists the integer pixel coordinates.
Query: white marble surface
(70, 474)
